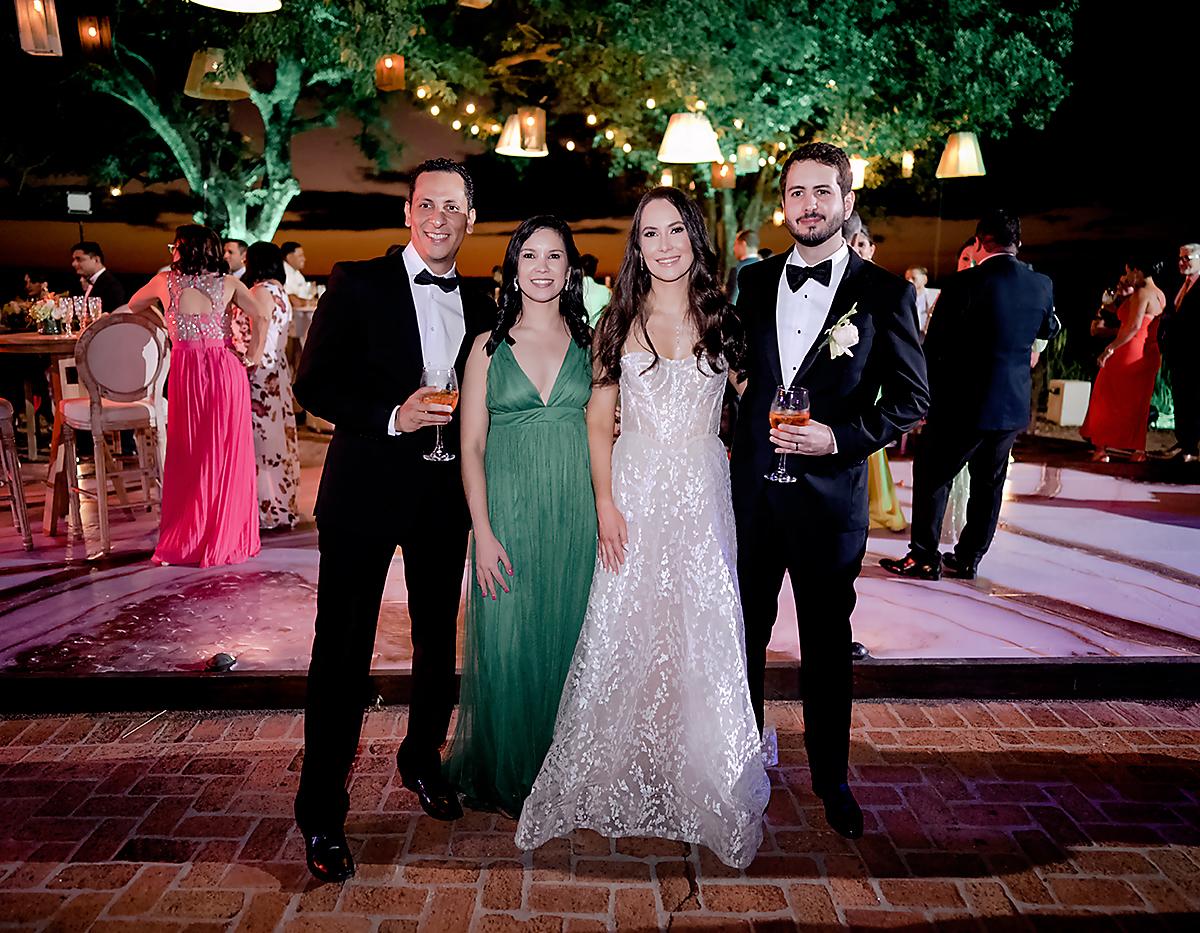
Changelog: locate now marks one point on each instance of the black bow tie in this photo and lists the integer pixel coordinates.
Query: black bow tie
(446, 283)
(798, 275)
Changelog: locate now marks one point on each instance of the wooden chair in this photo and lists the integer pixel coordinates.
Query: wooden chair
(121, 361)
(10, 474)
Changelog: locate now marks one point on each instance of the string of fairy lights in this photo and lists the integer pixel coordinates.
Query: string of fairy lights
(689, 139)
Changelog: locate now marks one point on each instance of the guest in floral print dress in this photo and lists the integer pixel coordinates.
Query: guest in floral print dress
(272, 409)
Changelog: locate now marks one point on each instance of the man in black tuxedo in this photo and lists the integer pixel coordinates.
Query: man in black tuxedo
(978, 348)
(87, 259)
(378, 324)
(1179, 340)
(816, 527)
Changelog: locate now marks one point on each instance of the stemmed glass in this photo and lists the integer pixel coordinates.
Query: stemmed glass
(790, 407)
(445, 380)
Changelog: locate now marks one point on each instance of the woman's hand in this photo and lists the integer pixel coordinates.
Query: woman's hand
(614, 536)
(488, 554)
(1104, 355)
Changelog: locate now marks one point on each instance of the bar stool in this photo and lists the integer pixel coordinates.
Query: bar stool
(10, 474)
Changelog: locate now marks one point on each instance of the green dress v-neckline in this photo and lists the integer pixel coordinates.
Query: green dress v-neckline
(562, 367)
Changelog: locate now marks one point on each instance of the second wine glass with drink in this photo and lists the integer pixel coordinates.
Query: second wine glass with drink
(790, 407)
(445, 381)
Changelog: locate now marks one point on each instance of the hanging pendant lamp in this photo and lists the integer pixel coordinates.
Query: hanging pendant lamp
(389, 73)
(37, 22)
(962, 157)
(524, 134)
(858, 172)
(202, 84)
(241, 6)
(689, 138)
(723, 175)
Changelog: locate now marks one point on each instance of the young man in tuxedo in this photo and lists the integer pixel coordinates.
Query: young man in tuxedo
(379, 323)
(87, 259)
(801, 309)
(978, 348)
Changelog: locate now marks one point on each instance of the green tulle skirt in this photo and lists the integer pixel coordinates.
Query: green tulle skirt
(518, 647)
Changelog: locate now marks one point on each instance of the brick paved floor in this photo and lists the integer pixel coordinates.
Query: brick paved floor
(980, 816)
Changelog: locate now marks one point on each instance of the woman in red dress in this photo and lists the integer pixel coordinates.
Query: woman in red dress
(1120, 405)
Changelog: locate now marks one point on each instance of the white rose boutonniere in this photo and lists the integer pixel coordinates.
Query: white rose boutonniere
(842, 335)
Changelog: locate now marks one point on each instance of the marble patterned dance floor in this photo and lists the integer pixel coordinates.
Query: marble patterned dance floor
(1085, 564)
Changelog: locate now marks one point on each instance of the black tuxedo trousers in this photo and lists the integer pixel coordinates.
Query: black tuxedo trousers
(822, 568)
(354, 568)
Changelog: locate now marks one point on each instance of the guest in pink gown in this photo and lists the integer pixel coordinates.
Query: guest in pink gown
(210, 499)
(1119, 409)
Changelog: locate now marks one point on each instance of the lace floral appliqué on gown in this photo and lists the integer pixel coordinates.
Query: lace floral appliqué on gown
(655, 734)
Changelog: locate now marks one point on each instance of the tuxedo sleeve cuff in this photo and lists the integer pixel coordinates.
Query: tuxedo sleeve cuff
(391, 425)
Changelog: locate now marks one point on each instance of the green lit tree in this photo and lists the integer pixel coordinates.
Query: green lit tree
(877, 78)
(306, 67)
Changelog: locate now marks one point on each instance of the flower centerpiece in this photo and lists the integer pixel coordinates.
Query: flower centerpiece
(47, 314)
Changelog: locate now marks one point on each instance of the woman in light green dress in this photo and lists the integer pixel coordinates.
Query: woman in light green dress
(528, 483)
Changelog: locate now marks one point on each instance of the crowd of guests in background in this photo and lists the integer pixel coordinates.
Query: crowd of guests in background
(1143, 327)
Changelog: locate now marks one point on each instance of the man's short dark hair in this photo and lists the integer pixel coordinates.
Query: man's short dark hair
(826, 154)
(749, 237)
(444, 165)
(90, 247)
(242, 244)
(1001, 226)
(288, 248)
(590, 265)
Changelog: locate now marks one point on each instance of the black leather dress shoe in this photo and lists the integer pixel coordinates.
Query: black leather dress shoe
(954, 568)
(329, 857)
(438, 798)
(909, 566)
(858, 651)
(842, 812)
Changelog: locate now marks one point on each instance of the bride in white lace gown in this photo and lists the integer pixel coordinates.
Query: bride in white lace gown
(655, 733)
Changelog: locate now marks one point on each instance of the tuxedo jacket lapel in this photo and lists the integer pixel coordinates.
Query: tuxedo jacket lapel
(408, 331)
(843, 298)
(771, 321)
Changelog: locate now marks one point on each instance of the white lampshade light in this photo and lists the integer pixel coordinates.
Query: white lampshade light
(668, 178)
(689, 138)
(908, 159)
(858, 172)
(241, 6)
(747, 159)
(37, 22)
(524, 134)
(962, 157)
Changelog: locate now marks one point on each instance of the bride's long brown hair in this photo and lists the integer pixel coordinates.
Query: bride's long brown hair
(721, 339)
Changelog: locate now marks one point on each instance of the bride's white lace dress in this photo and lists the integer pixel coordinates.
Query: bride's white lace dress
(655, 733)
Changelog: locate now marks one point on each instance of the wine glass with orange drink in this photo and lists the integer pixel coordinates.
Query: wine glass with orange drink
(445, 381)
(790, 407)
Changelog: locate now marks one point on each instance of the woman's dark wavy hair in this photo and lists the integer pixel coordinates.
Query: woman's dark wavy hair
(570, 299)
(264, 261)
(1149, 266)
(199, 251)
(720, 330)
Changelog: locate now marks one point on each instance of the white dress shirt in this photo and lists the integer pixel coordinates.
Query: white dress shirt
(242, 271)
(92, 281)
(440, 319)
(294, 282)
(926, 299)
(800, 315)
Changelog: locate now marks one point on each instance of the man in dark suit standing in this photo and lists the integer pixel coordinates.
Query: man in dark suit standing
(978, 349)
(378, 325)
(819, 317)
(87, 259)
(1179, 340)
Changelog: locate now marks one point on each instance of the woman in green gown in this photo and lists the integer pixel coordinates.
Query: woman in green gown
(528, 483)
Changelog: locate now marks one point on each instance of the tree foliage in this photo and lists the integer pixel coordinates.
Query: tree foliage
(878, 78)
